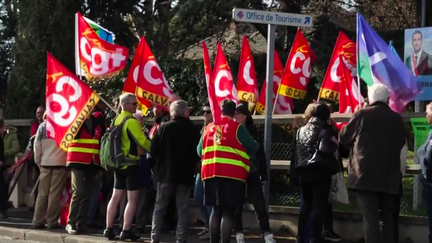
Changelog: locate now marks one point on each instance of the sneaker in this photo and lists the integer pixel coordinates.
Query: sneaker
(129, 235)
(205, 236)
(240, 238)
(71, 229)
(331, 236)
(109, 234)
(201, 233)
(269, 239)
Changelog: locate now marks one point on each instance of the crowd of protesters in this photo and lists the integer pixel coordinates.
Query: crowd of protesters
(222, 164)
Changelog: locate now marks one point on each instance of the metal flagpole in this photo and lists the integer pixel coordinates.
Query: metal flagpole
(358, 76)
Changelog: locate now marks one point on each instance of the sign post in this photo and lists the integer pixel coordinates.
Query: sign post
(271, 19)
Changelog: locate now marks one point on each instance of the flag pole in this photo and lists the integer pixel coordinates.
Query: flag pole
(357, 47)
(77, 60)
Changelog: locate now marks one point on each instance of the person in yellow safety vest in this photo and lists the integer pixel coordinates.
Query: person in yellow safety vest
(83, 159)
(225, 148)
(128, 178)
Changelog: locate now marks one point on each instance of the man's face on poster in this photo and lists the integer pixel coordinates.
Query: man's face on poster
(417, 42)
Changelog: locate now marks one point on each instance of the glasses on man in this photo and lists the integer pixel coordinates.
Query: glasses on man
(134, 104)
(207, 112)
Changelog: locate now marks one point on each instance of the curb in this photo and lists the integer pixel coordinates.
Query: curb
(49, 236)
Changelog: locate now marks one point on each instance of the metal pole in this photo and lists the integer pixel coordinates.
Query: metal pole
(269, 104)
(416, 185)
(423, 14)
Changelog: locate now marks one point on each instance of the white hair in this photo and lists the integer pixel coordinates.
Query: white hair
(178, 108)
(125, 98)
(378, 92)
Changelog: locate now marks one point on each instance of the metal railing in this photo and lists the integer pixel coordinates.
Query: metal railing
(281, 192)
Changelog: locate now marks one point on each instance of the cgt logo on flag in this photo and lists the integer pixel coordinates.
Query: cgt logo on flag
(240, 14)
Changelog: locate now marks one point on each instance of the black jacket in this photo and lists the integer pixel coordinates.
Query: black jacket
(173, 151)
(316, 134)
(309, 140)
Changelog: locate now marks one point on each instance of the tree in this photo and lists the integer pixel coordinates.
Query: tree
(8, 18)
(42, 26)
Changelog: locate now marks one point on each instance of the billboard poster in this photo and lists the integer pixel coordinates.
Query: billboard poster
(418, 58)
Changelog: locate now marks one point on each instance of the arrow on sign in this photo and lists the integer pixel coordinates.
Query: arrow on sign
(307, 20)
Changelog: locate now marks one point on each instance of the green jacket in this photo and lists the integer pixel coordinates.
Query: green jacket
(11, 145)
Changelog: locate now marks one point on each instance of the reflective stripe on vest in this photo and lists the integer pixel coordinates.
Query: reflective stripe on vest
(225, 149)
(232, 168)
(85, 149)
(227, 158)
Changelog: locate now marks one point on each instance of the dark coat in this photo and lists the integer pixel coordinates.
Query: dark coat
(260, 159)
(173, 151)
(376, 135)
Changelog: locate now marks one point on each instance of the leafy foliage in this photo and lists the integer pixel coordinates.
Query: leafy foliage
(172, 27)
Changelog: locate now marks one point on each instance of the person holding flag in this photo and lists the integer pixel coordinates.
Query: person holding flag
(85, 165)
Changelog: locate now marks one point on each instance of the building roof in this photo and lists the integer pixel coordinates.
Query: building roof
(231, 40)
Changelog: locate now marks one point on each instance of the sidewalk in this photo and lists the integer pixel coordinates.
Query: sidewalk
(18, 226)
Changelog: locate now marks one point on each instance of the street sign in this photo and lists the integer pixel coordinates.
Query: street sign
(276, 18)
(271, 19)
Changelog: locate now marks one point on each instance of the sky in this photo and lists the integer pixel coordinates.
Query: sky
(427, 40)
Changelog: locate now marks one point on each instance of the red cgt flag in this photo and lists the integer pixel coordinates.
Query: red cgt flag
(214, 105)
(247, 81)
(98, 58)
(69, 102)
(349, 93)
(332, 79)
(222, 77)
(151, 82)
(130, 84)
(295, 78)
(284, 104)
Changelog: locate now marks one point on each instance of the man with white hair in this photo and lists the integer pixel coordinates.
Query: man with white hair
(376, 135)
(172, 152)
(128, 177)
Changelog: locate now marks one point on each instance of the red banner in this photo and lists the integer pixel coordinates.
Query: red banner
(152, 84)
(332, 79)
(246, 80)
(349, 93)
(297, 69)
(284, 103)
(69, 102)
(130, 84)
(98, 58)
(222, 78)
(214, 105)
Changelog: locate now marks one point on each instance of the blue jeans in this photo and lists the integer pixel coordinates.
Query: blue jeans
(93, 202)
(427, 196)
(199, 199)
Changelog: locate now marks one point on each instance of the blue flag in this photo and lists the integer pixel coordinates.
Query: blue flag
(378, 63)
(392, 47)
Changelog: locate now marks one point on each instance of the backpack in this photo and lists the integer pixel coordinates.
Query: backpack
(111, 154)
